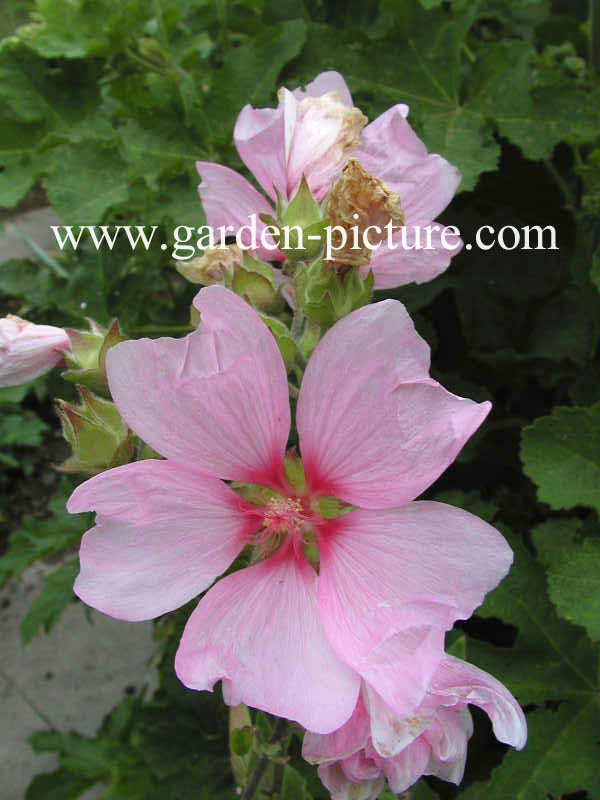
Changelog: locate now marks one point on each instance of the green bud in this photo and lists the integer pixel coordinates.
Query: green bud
(255, 281)
(86, 361)
(302, 219)
(241, 740)
(325, 295)
(98, 436)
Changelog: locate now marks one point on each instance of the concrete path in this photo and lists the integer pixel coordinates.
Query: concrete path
(68, 679)
(35, 224)
(71, 678)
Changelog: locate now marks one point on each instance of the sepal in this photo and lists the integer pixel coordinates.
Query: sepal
(86, 361)
(98, 436)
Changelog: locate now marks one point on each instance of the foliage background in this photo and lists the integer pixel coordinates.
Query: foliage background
(106, 104)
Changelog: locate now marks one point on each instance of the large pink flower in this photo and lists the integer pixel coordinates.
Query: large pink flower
(375, 431)
(28, 350)
(313, 133)
(376, 744)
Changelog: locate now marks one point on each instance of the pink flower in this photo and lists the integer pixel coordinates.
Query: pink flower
(28, 350)
(376, 744)
(314, 132)
(375, 431)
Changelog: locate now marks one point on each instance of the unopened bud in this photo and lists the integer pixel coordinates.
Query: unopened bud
(28, 350)
(217, 265)
(98, 436)
(86, 361)
(325, 133)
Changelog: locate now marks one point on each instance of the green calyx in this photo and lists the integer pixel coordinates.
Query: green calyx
(254, 280)
(326, 295)
(301, 225)
(86, 360)
(98, 436)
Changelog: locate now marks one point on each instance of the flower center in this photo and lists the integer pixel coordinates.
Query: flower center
(282, 517)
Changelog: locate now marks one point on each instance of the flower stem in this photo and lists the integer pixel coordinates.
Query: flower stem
(258, 773)
(297, 325)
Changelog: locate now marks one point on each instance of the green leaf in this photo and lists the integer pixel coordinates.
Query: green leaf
(250, 72)
(561, 454)
(39, 538)
(561, 758)
(21, 166)
(84, 181)
(26, 85)
(22, 429)
(80, 28)
(552, 663)
(55, 597)
(293, 786)
(573, 585)
(58, 785)
(153, 152)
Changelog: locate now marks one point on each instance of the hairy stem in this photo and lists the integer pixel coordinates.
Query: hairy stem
(258, 773)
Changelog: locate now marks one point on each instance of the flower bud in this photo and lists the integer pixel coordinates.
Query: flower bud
(302, 225)
(215, 265)
(325, 295)
(86, 360)
(28, 350)
(98, 436)
(323, 133)
(360, 203)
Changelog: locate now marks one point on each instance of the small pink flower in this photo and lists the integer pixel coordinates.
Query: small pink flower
(375, 431)
(376, 744)
(28, 350)
(314, 132)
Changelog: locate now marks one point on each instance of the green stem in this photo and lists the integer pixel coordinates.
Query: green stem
(562, 184)
(297, 325)
(258, 773)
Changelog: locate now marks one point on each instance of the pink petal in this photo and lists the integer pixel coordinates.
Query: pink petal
(391, 151)
(329, 81)
(340, 788)
(259, 138)
(388, 145)
(228, 199)
(425, 188)
(28, 350)
(456, 683)
(318, 748)
(319, 137)
(259, 631)
(374, 429)
(390, 734)
(408, 766)
(359, 768)
(217, 398)
(163, 533)
(391, 582)
(448, 737)
(403, 265)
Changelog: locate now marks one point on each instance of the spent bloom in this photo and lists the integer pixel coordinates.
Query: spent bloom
(28, 350)
(314, 133)
(376, 744)
(349, 579)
